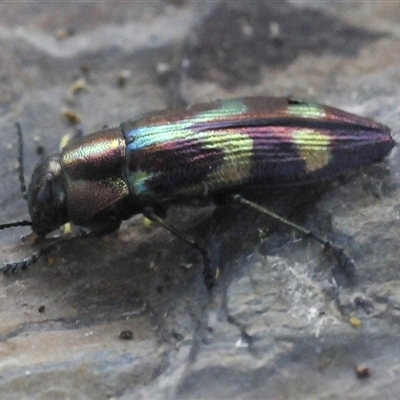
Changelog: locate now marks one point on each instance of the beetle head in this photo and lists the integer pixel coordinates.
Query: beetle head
(46, 196)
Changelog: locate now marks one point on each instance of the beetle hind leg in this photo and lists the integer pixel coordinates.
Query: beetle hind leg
(338, 252)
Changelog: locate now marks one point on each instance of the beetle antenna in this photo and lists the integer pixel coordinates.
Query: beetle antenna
(21, 160)
(50, 246)
(14, 266)
(15, 224)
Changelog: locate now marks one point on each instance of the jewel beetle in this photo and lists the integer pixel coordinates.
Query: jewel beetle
(194, 156)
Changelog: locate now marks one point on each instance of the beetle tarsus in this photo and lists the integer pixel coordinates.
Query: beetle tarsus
(346, 263)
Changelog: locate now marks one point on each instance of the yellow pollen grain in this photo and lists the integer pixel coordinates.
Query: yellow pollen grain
(67, 228)
(64, 141)
(355, 322)
(147, 223)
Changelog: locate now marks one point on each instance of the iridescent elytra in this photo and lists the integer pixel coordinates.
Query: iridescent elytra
(191, 157)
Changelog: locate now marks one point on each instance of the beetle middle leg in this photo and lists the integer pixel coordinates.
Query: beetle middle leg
(208, 275)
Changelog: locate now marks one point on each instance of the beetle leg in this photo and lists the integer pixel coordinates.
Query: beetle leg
(345, 261)
(208, 275)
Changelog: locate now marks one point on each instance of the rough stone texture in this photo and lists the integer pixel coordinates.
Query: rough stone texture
(278, 323)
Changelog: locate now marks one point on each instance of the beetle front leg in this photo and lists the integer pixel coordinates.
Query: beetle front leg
(344, 260)
(208, 275)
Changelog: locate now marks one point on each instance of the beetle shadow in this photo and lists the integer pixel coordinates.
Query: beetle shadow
(235, 234)
(145, 272)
